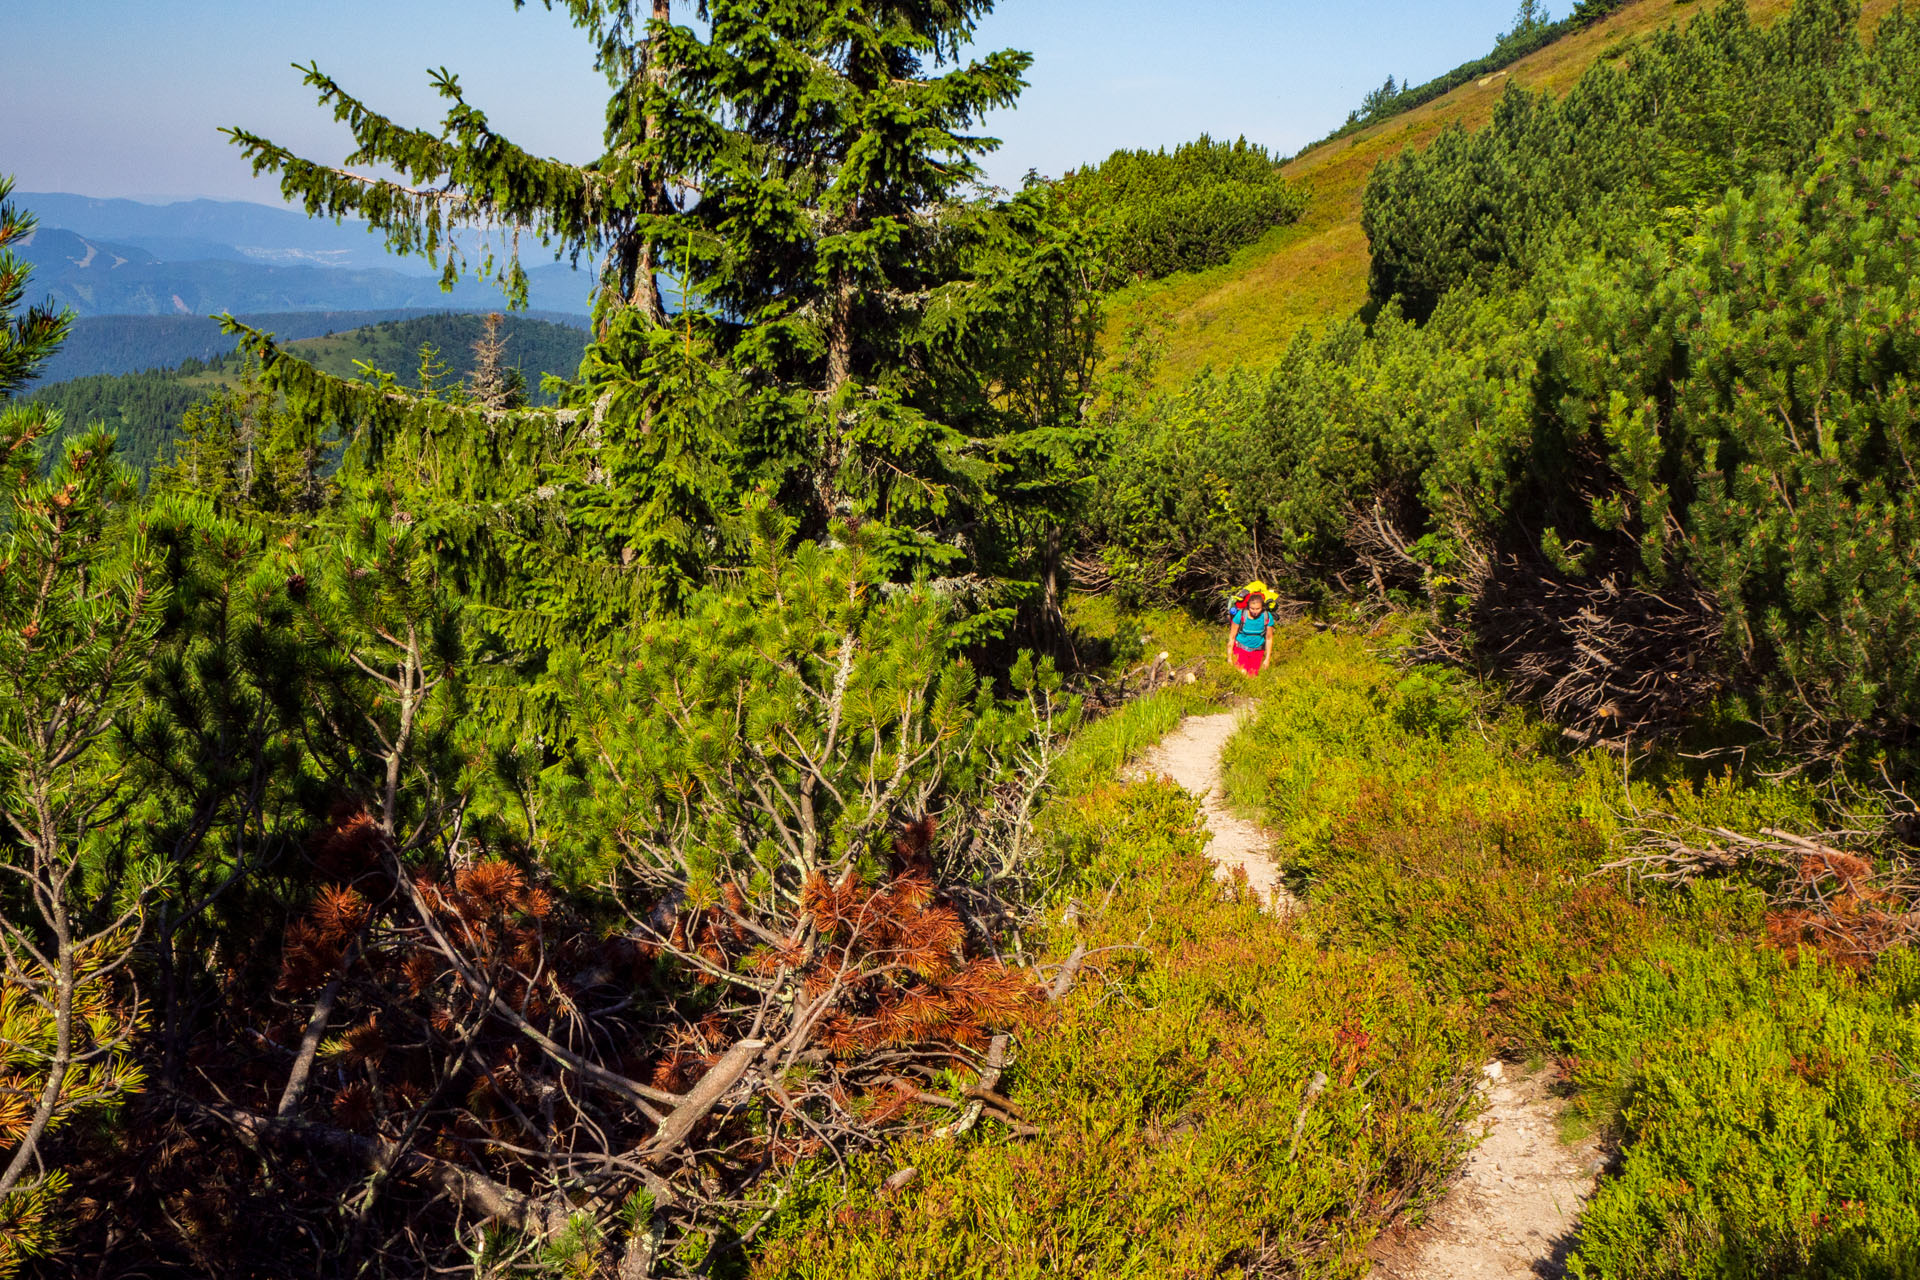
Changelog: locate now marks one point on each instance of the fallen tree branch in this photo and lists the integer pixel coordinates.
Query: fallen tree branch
(1063, 980)
(1818, 894)
(993, 1099)
(702, 1098)
(309, 1048)
(493, 1201)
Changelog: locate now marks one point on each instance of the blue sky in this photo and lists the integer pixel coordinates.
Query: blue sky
(124, 97)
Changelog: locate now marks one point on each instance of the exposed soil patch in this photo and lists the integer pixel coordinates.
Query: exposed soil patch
(1516, 1207)
(1190, 757)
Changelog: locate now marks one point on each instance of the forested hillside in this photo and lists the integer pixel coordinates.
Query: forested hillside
(134, 344)
(144, 410)
(536, 348)
(718, 816)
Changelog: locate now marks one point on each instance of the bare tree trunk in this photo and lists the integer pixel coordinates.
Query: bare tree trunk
(839, 373)
(640, 260)
(702, 1098)
(840, 336)
(249, 429)
(639, 270)
(309, 1050)
(1053, 629)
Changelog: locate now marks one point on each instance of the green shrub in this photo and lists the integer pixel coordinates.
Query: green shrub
(1115, 740)
(1463, 853)
(1665, 481)
(1693, 112)
(1254, 474)
(1185, 210)
(1764, 1105)
(1768, 1112)
(1107, 743)
(1755, 397)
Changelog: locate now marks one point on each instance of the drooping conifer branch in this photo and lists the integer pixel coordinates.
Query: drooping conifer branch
(465, 176)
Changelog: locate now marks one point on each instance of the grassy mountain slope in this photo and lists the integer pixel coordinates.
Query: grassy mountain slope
(1315, 270)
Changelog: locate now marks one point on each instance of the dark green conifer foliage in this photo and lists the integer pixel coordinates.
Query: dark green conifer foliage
(828, 149)
(239, 449)
(1617, 152)
(498, 486)
(1011, 350)
(28, 338)
(1528, 18)
(1181, 211)
(213, 750)
(1653, 464)
(1756, 396)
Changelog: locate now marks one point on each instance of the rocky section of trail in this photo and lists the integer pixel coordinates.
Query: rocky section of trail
(1515, 1209)
(1190, 758)
(1513, 1212)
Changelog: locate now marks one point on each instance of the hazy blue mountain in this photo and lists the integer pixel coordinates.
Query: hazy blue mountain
(185, 249)
(52, 250)
(209, 288)
(203, 257)
(98, 278)
(186, 229)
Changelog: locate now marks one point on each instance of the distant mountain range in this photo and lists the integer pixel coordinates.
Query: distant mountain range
(200, 230)
(202, 257)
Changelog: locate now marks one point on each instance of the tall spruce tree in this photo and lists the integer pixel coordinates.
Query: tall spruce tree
(796, 167)
(828, 160)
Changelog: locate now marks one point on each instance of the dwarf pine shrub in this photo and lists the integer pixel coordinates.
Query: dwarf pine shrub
(1186, 209)
(1693, 112)
(1651, 485)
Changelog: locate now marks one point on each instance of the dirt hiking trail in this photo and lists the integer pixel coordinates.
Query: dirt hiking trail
(1515, 1207)
(1190, 758)
(1514, 1210)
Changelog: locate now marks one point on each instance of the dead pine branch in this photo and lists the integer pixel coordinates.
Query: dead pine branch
(1819, 896)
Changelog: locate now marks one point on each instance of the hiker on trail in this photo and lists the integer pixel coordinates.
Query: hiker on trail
(1252, 634)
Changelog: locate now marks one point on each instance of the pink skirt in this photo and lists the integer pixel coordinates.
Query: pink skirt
(1249, 660)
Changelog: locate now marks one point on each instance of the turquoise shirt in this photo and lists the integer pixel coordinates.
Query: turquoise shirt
(1251, 632)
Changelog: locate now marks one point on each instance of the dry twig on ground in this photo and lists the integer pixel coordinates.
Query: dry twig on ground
(1820, 897)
